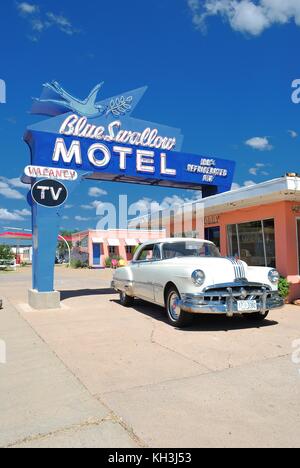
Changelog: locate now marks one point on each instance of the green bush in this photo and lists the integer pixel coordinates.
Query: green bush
(108, 262)
(76, 264)
(284, 288)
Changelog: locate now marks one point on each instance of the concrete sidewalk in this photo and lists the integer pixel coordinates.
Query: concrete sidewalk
(96, 374)
(42, 403)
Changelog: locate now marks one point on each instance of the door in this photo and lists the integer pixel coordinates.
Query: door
(96, 255)
(143, 270)
(213, 234)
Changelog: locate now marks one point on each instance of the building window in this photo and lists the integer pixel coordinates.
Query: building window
(213, 234)
(112, 250)
(253, 242)
(129, 249)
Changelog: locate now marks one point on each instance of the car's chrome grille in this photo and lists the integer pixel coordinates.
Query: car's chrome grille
(239, 269)
(237, 292)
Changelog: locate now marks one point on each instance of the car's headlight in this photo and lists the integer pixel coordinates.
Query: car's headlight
(198, 277)
(274, 276)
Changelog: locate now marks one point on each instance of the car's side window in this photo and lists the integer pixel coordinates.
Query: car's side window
(149, 254)
(146, 255)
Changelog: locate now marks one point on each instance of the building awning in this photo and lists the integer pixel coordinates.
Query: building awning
(131, 242)
(97, 240)
(15, 235)
(113, 242)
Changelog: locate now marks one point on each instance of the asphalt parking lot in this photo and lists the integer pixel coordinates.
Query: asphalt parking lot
(94, 374)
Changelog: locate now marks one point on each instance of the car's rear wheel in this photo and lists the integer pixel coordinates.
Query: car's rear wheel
(176, 317)
(257, 317)
(125, 300)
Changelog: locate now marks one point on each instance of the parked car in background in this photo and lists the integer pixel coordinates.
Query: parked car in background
(189, 276)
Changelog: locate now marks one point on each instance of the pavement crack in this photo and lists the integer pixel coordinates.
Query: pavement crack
(153, 341)
(189, 377)
(91, 422)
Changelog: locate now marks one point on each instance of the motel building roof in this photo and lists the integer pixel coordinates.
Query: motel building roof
(286, 188)
(22, 236)
(15, 235)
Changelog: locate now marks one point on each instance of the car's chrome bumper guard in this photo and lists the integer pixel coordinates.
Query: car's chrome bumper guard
(227, 302)
(126, 286)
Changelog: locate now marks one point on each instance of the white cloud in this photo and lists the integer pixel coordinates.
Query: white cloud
(87, 207)
(10, 193)
(247, 183)
(40, 21)
(259, 143)
(145, 205)
(27, 8)
(97, 204)
(293, 134)
(68, 207)
(9, 216)
(23, 212)
(38, 25)
(246, 16)
(258, 169)
(15, 182)
(96, 192)
(63, 23)
(81, 218)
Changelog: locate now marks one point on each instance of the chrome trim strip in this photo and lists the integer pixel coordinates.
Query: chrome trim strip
(239, 268)
(241, 283)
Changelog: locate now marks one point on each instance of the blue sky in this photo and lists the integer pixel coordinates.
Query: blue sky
(220, 71)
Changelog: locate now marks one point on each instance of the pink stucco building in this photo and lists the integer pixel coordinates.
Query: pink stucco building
(99, 245)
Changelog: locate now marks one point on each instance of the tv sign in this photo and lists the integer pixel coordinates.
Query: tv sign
(49, 193)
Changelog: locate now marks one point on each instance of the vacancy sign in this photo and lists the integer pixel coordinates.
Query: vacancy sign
(50, 173)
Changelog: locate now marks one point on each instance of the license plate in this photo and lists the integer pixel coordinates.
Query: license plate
(247, 306)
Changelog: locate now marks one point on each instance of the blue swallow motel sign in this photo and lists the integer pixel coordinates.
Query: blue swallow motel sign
(101, 140)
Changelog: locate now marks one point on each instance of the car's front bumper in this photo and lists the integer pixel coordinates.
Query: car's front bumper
(228, 303)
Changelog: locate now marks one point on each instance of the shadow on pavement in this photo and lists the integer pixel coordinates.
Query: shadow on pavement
(85, 292)
(204, 323)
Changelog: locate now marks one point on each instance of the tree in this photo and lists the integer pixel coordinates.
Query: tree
(6, 253)
(62, 248)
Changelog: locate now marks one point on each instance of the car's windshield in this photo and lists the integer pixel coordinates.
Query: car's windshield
(189, 249)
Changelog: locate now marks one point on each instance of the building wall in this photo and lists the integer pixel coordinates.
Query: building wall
(285, 236)
(139, 235)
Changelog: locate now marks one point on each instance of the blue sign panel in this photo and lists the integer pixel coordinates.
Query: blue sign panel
(128, 163)
(103, 140)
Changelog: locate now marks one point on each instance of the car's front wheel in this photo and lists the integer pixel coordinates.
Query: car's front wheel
(176, 317)
(125, 300)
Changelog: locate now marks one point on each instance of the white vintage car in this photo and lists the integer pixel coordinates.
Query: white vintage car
(189, 276)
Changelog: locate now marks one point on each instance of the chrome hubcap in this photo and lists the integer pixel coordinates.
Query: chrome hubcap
(173, 307)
